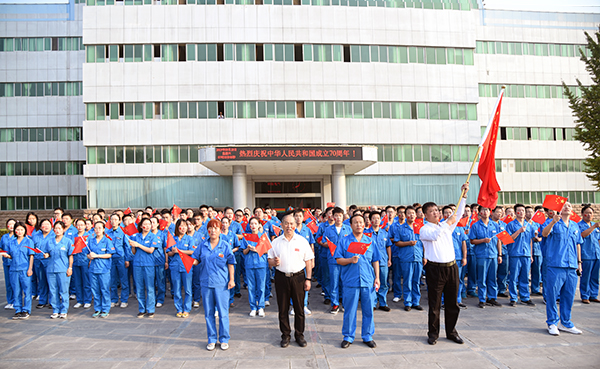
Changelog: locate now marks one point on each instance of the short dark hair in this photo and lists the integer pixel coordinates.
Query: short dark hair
(355, 216)
(587, 207)
(518, 206)
(497, 207)
(203, 206)
(446, 207)
(426, 206)
(338, 210)
(294, 212)
(374, 213)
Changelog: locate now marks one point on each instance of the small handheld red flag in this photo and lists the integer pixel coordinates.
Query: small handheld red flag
(130, 230)
(162, 224)
(250, 237)
(79, 244)
(463, 222)
(574, 217)
(507, 219)
(332, 246)
(417, 227)
(474, 219)
(384, 221)
(35, 249)
(170, 240)
(244, 225)
(176, 211)
(505, 238)
(312, 225)
(30, 229)
(127, 211)
(277, 230)
(188, 261)
(358, 247)
(368, 234)
(554, 202)
(539, 217)
(331, 204)
(264, 245)
(107, 225)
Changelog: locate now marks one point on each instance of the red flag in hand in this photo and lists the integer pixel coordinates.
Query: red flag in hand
(107, 225)
(30, 229)
(130, 230)
(170, 240)
(188, 261)
(35, 249)
(539, 217)
(368, 234)
(358, 247)
(79, 244)
(474, 219)
(463, 222)
(127, 211)
(384, 221)
(332, 246)
(264, 245)
(163, 224)
(244, 225)
(505, 238)
(507, 219)
(250, 237)
(574, 217)
(554, 202)
(312, 225)
(331, 204)
(488, 191)
(277, 230)
(176, 211)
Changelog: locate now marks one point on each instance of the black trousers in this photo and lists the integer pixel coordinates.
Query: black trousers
(286, 288)
(442, 279)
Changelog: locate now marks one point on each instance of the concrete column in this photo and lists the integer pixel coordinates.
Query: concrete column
(239, 186)
(338, 185)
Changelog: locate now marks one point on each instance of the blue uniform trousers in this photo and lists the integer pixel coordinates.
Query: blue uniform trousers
(182, 280)
(502, 278)
(351, 296)
(590, 273)
(411, 275)
(196, 290)
(21, 285)
(216, 298)
(325, 280)
(239, 268)
(101, 291)
(10, 296)
(536, 273)
(471, 274)
(118, 274)
(397, 277)
(144, 280)
(39, 269)
(255, 278)
(462, 270)
(381, 295)
(519, 277)
(561, 282)
(81, 280)
(544, 275)
(268, 283)
(58, 284)
(160, 284)
(131, 277)
(335, 285)
(486, 279)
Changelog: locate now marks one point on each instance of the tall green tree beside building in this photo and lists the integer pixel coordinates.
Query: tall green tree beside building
(586, 109)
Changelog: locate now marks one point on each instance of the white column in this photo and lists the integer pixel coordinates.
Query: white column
(239, 186)
(338, 184)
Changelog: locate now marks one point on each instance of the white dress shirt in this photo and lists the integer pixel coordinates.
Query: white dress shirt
(437, 238)
(292, 254)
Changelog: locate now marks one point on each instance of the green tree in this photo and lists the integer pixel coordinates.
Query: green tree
(586, 109)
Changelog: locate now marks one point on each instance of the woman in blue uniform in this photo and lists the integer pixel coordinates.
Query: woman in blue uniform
(39, 284)
(58, 252)
(159, 263)
(100, 249)
(217, 278)
(256, 271)
(39, 262)
(20, 252)
(179, 276)
(142, 246)
(4, 243)
(234, 244)
(81, 272)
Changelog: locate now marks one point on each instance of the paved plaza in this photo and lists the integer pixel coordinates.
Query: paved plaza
(494, 338)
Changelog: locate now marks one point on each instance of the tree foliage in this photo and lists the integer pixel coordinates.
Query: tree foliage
(586, 109)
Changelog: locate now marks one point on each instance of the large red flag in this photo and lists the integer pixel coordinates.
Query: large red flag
(127, 211)
(507, 219)
(554, 202)
(263, 245)
(488, 192)
(163, 224)
(463, 222)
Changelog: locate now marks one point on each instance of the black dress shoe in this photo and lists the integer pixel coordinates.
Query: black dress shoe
(285, 342)
(385, 308)
(346, 344)
(502, 295)
(432, 341)
(407, 308)
(327, 301)
(238, 295)
(371, 344)
(456, 339)
(301, 341)
(418, 307)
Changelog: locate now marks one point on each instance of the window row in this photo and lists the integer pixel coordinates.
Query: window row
(35, 89)
(535, 134)
(142, 154)
(41, 44)
(431, 153)
(529, 91)
(42, 168)
(419, 4)
(552, 165)
(278, 52)
(43, 202)
(529, 48)
(280, 109)
(528, 198)
(40, 134)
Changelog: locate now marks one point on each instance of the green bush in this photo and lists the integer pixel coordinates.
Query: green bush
(3, 231)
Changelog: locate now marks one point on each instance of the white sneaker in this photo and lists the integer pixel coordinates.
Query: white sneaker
(63, 316)
(124, 305)
(196, 304)
(261, 313)
(307, 311)
(396, 299)
(77, 306)
(159, 305)
(271, 294)
(216, 314)
(267, 303)
(72, 297)
(113, 304)
(292, 313)
(37, 298)
(553, 330)
(54, 316)
(9, 307)
(570, 330)
(224, 346)
(252, 313)
(211, 346)
(87, 306)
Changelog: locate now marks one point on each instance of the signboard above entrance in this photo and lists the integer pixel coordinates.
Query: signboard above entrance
(328, 153)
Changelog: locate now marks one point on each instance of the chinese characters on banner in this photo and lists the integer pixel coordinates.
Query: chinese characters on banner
(285, 153)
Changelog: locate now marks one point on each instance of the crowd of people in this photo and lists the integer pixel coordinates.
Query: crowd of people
(211, 255)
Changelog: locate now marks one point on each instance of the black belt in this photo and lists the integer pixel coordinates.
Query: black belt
(449, 264)
(289, 275)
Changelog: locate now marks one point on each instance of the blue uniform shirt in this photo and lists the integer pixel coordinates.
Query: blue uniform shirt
(458, 236)
(230, 238)
(544, 239)
(479, 231)
(122, 248)
(561, 245)
(251, 259)
(382, 241)
(307, 234)
(362, 273)
(404, 232)
(39, 240)
(183, 243)
(159, 250)
(71, 232)
(323, 251)
(536, 245)
(4, 243)
(500, 226)
(235, 227)
(214, 272)
(590, 248)
(142, 258)
(105, 246)
(58, 262)
(332, 235)
(522, 244)
(20, 254)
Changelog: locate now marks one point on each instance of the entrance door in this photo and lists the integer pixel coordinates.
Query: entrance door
(283, 203)
(282, 195)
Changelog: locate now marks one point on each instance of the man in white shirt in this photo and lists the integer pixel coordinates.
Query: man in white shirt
(441, 269)
(291, 255)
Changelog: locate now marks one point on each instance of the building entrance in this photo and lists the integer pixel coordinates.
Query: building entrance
(282, 195)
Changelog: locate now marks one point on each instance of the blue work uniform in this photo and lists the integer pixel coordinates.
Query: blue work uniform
(143, 271)
(504, 267)
(214, 277)
(118, 272)
(382, 241)
(198, 237)
(57, 265)
(232, 240)
(519, 253)
(39, 267)
(544, 261)
(411, 260)
(590, 263)
(179, 275)
(394, 233)
(536, 265)
(239, 259)
(359, 280)
(323, 262)
(100, 271)
(160, 284)
(471, 266)
(4, 243)
(486, 255)
(19, 280)
(561, 278)
(335, 282)
(256, 273)
(81, 278)
(458, 237)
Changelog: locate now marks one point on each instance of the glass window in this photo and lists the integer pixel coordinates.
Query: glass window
(468, 56)
(337, 53)
(374, 53)
(91, 155)
(421, 110)
(458, 56)
(110, 156)
(309, 109)
(139, 154)
(364, 54)
(129, 155)
(184, 153)
(307, 51)
(289, 52)
(433, 111)
(129, 52)
(430, 55)
(440, 54)
(444, 111)
(128, 111)
(446, 153)
(211, 51)
(471, 112)
(278, 52)
(229, 51)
